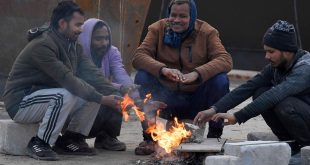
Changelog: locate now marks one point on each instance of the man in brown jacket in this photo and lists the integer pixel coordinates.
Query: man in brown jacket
(183, 63)
(53, 84)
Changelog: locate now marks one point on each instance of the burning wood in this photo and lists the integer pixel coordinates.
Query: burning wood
(128, 103)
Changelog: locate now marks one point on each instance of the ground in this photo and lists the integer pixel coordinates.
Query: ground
(131, 134)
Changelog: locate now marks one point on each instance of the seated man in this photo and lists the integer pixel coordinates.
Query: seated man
(183, 63)
(281, 92)
(96, 42)
(51, 83)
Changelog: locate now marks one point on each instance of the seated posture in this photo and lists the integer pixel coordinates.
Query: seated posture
(281, 92)
(96, 42)
(183, 63)
(53, 84)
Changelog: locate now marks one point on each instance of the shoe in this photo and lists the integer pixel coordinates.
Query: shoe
(73, 146)
(109, 143)
(215, 132)
(40, 150)
(145, 148)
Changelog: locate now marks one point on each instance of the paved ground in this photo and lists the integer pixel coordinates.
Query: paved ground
(131, 135)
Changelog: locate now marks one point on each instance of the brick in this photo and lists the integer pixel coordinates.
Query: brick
(259, 152)
(305, 155)
(14, 137)
(221, 160)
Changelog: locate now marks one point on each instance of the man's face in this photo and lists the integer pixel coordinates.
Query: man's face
(179, 17)
(100, 40)
(73, 28)
(276, 57)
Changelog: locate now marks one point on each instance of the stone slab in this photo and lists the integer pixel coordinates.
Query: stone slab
(221, 160)
(305, 155)
(264, 136)
(208, 145)
(14, 137)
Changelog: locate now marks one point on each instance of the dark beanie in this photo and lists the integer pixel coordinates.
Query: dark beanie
(281, 36)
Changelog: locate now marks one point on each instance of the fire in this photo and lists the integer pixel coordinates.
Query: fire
(129, 103)
(170, 139)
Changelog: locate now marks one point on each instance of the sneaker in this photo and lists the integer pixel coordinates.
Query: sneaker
(109, 143)
(40, 150)
(67, 146)
(145, 148)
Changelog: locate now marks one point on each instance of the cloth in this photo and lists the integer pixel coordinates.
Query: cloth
(201, 51)
(289, 119)
(292, 81)
(52, 108)
(111, 62)
(281, 36)
(184, 105)
(174, 39)
(50, 61)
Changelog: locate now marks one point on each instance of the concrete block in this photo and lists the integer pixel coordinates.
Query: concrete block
(259, 152)
(14, 137)
(305, 155)
(265, 136)
(222, 160)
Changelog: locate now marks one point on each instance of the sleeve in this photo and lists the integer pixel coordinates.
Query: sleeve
(244, 91)
(144, 56)
(219, 59)
(45, 59)
(296, 82)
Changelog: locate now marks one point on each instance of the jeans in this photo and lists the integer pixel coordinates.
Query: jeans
(184, 105)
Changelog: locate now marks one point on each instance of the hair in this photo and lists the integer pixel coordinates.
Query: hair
(64, 10)
(99, 25)
(179, 2)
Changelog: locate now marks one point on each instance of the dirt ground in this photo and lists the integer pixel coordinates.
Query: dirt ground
(131, 134)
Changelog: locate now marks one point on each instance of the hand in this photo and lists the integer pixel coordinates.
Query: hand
(172, 74)
(204, 116)
(230, 117)
(128, 88)
(190, 77)
(112, 101)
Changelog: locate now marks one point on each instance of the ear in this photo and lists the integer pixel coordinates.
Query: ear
(62, 24)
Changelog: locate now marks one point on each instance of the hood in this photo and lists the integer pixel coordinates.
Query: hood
(85, 36)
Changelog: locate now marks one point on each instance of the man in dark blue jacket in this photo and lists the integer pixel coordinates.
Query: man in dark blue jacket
(281, 92)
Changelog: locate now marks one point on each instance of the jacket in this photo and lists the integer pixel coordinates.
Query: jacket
(290, 82)
(201, 51)
(51, 61)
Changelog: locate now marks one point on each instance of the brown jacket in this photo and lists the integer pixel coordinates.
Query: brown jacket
(202, 51)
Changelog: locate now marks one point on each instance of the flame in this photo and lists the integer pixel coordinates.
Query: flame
(170, 139)
(129, 103)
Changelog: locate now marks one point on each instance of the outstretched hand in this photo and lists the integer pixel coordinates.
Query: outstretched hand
(230, 118)
(112, 101)
(204, 116)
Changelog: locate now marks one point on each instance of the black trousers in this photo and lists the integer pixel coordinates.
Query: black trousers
(108, 121)
(289, 119)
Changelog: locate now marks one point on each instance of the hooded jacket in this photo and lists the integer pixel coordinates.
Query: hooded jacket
(111, 63)
(51, 61)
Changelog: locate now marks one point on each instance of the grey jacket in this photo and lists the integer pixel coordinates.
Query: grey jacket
(51, 61)
(294, 81)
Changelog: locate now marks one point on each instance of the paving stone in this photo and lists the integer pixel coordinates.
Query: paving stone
(222, 160)
(14, 137)
(305, 155)
(259, 152)
(264, 136)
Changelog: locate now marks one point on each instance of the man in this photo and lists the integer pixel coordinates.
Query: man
(281, 92)
(183, 63)
(96, 42)
(51, 83)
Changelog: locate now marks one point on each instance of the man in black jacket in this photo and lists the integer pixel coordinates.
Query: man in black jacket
(281, 92)
(53, 84)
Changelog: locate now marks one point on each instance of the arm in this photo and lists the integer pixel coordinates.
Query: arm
(219, 59)
(144, 57)
(296, 82)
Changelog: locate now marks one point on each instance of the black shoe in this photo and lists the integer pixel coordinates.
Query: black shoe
(215, 132)
(73, 146)
(104, 141)
(40, 150)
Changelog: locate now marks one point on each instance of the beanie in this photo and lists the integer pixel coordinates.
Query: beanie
(281, 36)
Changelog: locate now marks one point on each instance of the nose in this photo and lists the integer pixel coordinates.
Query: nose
(267, 56)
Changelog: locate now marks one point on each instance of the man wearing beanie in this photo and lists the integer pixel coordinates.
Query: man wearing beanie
(281, 91)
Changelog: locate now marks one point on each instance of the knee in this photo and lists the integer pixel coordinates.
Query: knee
(285, 108)
(219, 82)
(142, 77)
